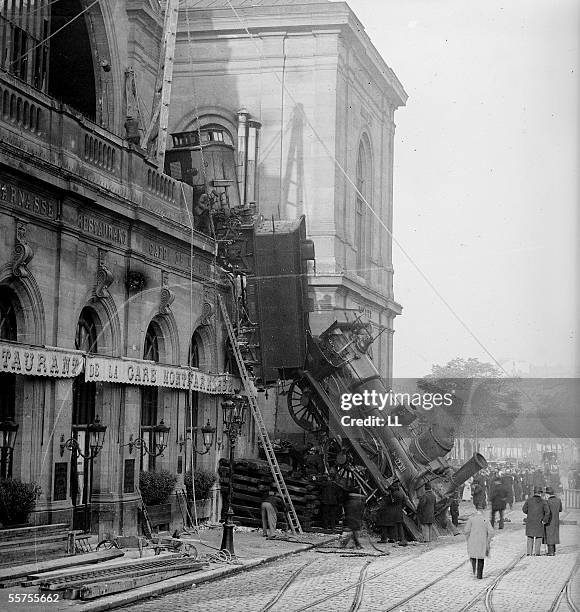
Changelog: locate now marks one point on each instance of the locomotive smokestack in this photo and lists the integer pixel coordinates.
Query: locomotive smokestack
(467, 470)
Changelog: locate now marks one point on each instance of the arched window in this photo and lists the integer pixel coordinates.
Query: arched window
(83, 414)
(150, 397)
(192, 401)
(362, 234)
(71, 75)
(84, 392)
(7, 380)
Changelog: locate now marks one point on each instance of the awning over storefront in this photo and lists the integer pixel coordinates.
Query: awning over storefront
(40, 361)
(147, 373)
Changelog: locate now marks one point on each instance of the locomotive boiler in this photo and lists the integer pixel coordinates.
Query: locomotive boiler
(390, 442)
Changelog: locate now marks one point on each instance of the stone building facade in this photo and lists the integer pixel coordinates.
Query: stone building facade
(307, 73)
(107, 293)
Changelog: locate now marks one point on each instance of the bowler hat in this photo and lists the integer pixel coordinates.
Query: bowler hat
(549, 491)
(537, 490)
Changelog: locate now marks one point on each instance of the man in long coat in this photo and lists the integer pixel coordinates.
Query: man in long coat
(538, 515)
(499, 495)
(331, 495)
(508, 482)
(479, 494)
(478, 532)
(552, 534)
(390, 516)
(426, 512)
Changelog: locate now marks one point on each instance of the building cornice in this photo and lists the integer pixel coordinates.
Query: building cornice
(320, 18)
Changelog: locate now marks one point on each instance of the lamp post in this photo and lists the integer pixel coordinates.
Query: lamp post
(207, 432)
(158, 444)
(489, 450)
(233, 411)
(8, 431)
(96, 431)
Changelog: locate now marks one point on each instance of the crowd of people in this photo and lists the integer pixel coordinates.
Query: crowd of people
(488, 489)
(542, 509)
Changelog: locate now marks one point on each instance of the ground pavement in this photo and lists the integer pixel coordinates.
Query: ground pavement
(251, 549)
(422, 577)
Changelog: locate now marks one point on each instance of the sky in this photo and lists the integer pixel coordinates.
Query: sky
(486, 180)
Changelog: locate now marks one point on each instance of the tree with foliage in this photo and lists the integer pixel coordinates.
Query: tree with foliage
(485, 403)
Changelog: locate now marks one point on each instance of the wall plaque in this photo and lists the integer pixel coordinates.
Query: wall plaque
(129, 476)
(60, 481)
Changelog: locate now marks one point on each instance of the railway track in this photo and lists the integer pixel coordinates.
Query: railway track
(565, 594)
(358, 586)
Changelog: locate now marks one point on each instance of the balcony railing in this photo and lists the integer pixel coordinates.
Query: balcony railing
(40, 127)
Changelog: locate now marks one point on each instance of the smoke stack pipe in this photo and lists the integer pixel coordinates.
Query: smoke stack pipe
(252, 157)
(242, 153)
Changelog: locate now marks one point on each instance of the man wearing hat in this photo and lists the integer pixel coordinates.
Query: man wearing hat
(390, 516)
(499, 496)
(552, 528)
(426, 512)
(538, 515)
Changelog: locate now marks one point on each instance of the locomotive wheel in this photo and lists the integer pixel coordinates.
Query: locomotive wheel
(339, 456)
(304, 407)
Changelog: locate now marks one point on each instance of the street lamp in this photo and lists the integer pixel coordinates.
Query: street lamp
(158, 444)
(8, 431)
(233, 411)
(207, 432)
(96, 431)
(489, 450)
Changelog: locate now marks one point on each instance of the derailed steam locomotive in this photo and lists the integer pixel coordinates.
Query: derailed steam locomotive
(266, 263)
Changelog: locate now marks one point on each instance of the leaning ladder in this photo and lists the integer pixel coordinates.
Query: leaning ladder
(293, 521)
(162, 93)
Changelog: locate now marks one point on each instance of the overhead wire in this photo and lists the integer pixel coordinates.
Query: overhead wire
(389, 232)
(367, 204)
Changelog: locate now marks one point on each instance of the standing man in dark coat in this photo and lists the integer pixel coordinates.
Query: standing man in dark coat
(508, 482)
(353, 512)
(330, 499)
(538, 513)
(479, 494)
(426, 512)
(518, 486)
(552, 534)
(454, 507)
(390, 516)
(499, 495)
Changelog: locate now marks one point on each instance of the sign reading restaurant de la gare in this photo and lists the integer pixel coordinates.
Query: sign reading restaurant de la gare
(146, 373)
(31, 361)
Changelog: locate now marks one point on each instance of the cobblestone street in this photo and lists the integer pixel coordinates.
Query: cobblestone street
(434, 577)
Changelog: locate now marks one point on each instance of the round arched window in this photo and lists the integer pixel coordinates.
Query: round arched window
(8, 332)
(150, 396)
